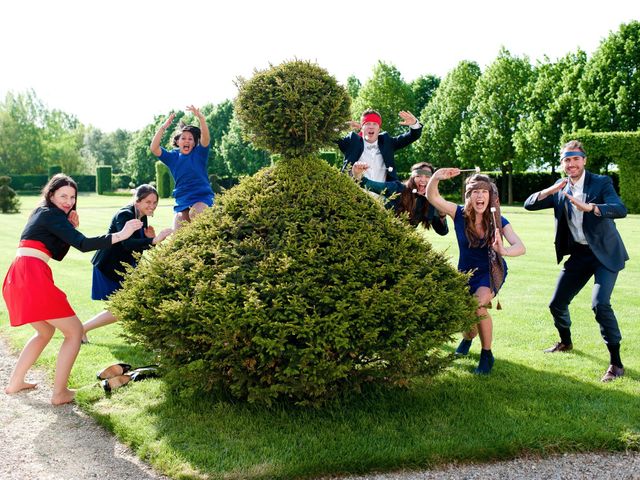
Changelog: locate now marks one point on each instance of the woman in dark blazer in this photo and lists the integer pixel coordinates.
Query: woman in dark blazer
(108, 268)
(408, 197)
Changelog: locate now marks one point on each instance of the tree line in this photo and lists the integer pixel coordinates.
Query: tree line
(509, 117)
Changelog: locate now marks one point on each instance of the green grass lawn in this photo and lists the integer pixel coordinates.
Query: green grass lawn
(531, 403)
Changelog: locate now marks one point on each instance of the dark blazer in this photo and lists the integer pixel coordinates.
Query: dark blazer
(109, 260)
(393, 190)
(352, 147)
(51, 226)
(600, 231)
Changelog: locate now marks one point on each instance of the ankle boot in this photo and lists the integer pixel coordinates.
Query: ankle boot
(486, 363)
(463, 348)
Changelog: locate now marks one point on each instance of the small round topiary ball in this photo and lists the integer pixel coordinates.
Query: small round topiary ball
(292, 109)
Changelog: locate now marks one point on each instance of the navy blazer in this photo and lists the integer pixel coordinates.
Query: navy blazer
(392, 191)
(109, 260)
(600, 231)
(352, 147)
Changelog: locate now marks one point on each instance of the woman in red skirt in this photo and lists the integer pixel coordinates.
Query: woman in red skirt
(30, 293)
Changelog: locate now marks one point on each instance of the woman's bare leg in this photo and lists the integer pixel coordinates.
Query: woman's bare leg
(28, 356)
(103, 318)
(180, 218)
(71, 328)
(485, 323)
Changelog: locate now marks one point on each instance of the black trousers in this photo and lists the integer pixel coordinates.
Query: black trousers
(576, 272)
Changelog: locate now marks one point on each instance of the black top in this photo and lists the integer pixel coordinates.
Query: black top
(109, 260)
(51, 226)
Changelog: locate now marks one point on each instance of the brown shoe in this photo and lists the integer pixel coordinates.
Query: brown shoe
(559, 347)
(612, 373)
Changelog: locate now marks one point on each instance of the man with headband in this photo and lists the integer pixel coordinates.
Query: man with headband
(585, 205)
(376, 148)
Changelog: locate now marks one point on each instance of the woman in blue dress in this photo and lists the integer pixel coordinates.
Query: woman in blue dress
(479, 229)
(188, 165)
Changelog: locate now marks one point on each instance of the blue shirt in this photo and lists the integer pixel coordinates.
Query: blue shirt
(190, 173)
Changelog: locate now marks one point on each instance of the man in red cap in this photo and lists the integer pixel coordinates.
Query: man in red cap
(376, 148)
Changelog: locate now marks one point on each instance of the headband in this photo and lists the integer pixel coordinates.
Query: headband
(419, 171)
(478, 185)
(577, 153)
(371, 117)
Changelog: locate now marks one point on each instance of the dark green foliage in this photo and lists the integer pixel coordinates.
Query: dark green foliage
(86, 183)
(620, 148)
(295, 285)
(331, 157)
(121, 180)
(9, 201)
(103, 179)
(164, 180)
(293, 109)
(54, 170)
(29, 182)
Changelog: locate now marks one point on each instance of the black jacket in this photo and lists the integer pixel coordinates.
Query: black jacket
(109, 260)
(51, 226)
(352, 147)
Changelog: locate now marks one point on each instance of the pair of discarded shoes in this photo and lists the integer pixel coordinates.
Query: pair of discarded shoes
(119, 374)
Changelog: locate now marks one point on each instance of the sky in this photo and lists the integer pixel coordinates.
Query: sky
(118, 64)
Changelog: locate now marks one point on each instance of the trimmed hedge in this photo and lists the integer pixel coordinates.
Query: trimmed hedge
(9, 201)
(293, 109)
(54, 170)
(164, 180)
(103, 179)
(297, 285)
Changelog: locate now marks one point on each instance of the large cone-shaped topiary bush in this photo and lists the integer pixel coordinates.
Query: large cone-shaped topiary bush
(296, 285)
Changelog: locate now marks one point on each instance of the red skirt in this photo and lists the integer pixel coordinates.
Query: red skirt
(30, 294)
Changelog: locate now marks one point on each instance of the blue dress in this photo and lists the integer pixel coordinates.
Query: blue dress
(474, 259)
(190, 174)
(103, 286)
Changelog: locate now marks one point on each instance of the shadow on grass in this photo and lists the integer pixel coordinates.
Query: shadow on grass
(455, 417)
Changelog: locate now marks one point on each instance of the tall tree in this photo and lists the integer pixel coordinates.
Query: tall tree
(551, 109)
(240, 156)
(105, 149)
(610, 88)
(423, 89)
(21, 134)
(63, 137)
(140, 162)
(218, 119)
(353, 86)
(486, 139)
(443, 115)
(388, 93)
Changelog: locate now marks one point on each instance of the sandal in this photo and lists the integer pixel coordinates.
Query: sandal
(136, 375)
(113, 371)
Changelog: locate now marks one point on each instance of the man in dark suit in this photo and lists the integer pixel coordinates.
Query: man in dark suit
(377, 148)
(585, 205)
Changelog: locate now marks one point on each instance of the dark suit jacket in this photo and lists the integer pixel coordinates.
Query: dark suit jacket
(109, 260)
(392, 191)
(352, 147)
(600, 231)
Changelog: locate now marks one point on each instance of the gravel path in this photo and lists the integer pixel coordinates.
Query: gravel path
(42, 442)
